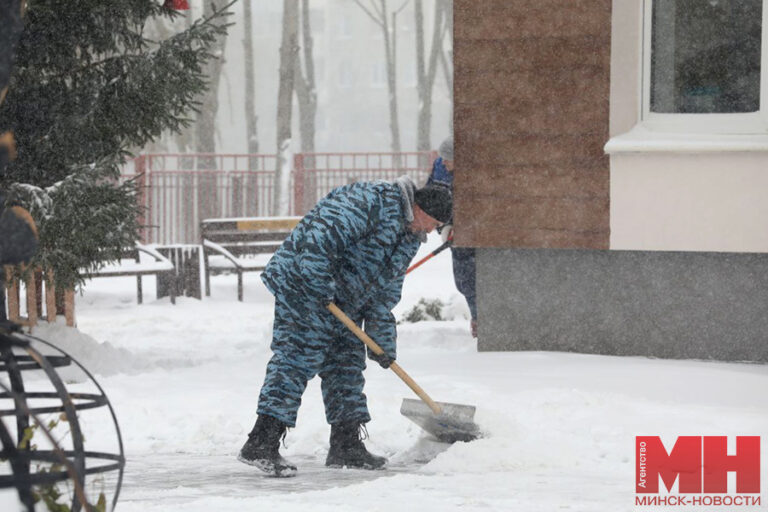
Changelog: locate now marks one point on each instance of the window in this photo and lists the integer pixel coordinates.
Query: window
(343, 27)
(345, 77)
(702, 66)
(378, 73)
(408, 74)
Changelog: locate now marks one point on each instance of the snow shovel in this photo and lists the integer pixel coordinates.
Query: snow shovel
(447, 422)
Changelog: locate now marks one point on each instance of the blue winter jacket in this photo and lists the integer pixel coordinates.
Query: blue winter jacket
(353, 248)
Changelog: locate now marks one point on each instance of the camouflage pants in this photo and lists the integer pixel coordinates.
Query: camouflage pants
(311, 342)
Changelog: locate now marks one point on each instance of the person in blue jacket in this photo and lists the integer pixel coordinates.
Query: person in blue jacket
(352, 249)
(463, 257)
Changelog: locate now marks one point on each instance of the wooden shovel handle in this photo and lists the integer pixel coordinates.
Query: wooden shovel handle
(338, 313)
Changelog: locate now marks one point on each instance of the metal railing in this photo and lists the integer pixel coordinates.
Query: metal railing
(179, 190)
(316, 174)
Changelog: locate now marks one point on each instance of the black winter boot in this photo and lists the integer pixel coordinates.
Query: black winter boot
(347, 448)
(261, 448)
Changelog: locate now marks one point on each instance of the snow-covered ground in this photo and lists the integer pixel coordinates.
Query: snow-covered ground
(559, 428)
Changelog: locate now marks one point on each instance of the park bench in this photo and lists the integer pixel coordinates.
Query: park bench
(39, 287)
(241, 245)
(131, 264)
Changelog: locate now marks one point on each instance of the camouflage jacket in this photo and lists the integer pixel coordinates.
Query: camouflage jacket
(352, 248)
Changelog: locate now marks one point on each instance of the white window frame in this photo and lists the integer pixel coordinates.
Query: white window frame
(736, 123)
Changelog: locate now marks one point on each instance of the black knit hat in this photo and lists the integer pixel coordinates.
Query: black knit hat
(436, 201)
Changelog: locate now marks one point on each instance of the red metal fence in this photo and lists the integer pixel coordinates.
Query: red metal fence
(180, 190)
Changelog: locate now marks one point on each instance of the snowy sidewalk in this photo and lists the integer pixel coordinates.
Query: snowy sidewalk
(560, 427)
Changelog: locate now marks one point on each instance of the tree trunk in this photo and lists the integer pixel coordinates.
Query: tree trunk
(390, 49)
(185, 139)
(250, 110)
(379, 16)
(444, 61)
(251, 182)
(206, 118)
(306, 90)
(425, 99)
(288, 51)
(306, 93)
(205, 132)
(425, 74)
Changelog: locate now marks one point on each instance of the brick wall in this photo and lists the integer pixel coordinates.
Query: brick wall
(531, 118)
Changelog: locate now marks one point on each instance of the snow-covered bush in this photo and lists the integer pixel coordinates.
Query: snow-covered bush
(425, 309)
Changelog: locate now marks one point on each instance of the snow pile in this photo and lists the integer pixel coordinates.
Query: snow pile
(103, 357)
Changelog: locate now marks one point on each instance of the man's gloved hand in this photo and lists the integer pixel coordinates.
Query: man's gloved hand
(383, 359)
(446, 232)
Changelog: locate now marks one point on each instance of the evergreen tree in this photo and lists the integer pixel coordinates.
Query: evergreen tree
(86, 86)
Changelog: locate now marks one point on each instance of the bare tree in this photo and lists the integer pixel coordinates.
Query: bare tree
(206, 118)
(446, 61)
(306, 93)
(306, 89)
(205, 129)
(426, 72)
(288, 53)
(244, 203)
(185, 138)
(377, 11)
(162, 28)
(250, 110)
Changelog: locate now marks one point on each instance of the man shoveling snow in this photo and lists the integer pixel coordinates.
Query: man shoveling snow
(352, 249)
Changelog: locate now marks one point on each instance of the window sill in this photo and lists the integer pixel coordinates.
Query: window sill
(642, 140)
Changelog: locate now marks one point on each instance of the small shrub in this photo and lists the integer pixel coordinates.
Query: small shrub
(425, 309)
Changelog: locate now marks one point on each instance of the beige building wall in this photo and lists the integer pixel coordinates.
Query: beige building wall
(690, 201)
(677, 192)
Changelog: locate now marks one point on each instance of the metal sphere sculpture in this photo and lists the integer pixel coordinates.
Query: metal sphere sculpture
(41, 429)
